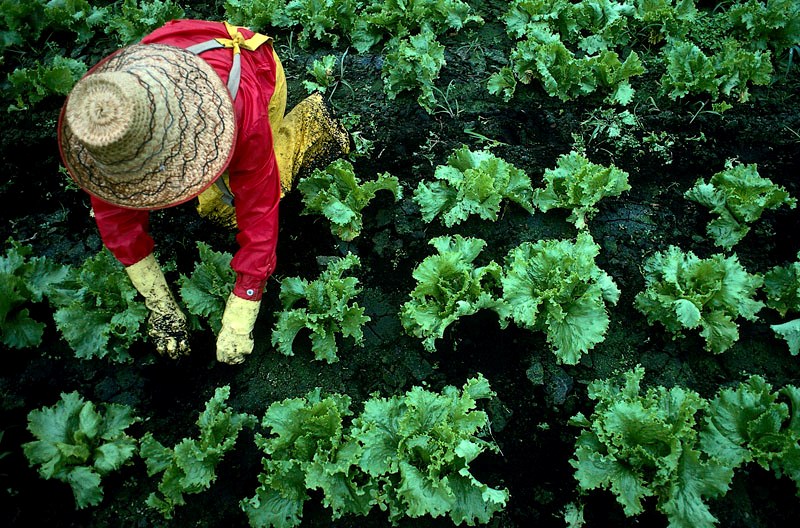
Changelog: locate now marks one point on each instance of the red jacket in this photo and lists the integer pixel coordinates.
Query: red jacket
(253, 169)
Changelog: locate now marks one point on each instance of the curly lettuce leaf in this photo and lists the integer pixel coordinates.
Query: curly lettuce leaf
(555, 286)
(684, 291)
(449, 286)
(190, 466)
(472, 183)
(205, 292)
(738, 196)
(578, 184)
(328, 310)
(79, 443)
(24, 280)
(339, 195)
(642, 445)
(98, 309)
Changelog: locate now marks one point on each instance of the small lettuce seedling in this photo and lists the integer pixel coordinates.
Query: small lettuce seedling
(340, 196)
(683, 291)
(578, 184)
(191, 466)
(472, 183)
(555, 286)
(328, 310)
(79, 443)
(738, 196)
(449, 286)
(24, 280)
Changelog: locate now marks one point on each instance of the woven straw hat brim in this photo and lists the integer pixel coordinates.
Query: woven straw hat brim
(186, 136)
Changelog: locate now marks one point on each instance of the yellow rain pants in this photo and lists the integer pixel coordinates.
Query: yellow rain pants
(306, 137)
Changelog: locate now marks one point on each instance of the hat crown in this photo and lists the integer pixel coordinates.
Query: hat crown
(109, 112)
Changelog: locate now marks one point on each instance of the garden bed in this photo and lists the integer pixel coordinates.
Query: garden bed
(536, 395)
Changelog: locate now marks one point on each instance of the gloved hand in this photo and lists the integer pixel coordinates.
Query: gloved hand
(235, 339)
(166, 325)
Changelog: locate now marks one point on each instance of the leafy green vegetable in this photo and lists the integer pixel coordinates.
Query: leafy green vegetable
(555, 286)
(307, 449)
(413, 64)
(24, 280)
(472, 183)
(328, 310)
(782, 286)
(449, 286)
(321, 70)
(645, 445)
(578, 184)
(340, 196)
(190, 467)
(206, 290)
(419, 447)
(409, 455)
(137, 18)
(686, 292)
(57, 76)
(752, 423)
(739, 196)
(789, 332)
(79, 444)
(98, 312)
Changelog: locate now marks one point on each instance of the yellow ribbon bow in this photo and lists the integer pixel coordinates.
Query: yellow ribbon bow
(237, 40)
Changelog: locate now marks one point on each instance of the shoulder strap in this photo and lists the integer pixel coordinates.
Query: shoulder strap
(237, 42)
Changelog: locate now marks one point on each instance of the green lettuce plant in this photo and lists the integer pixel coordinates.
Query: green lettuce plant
(753, 423)
(403, 18)
(327, 309)
(80, 443)
(339, 195)
(578, 184)
(98, 311)
(738, 196)
(644, 444)
(727, 72)
(307, 448)
(555, 286)
(24, 280)
(449, 286)
(683, 291)
(782, 288)
(413, 64)
(207, 289)
(321, 71)
(419, 447)
(408, 454)
(190, 467)
(472, 182)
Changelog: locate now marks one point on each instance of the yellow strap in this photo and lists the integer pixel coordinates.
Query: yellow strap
(238, 41)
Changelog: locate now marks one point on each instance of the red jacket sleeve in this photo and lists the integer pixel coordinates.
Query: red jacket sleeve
(256, 189)
(123, 231)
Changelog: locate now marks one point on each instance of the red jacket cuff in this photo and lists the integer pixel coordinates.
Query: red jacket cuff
(249, 287)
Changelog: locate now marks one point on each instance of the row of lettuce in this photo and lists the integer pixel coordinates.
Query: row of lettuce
(570, 49)
(553, 286)
(409, 455)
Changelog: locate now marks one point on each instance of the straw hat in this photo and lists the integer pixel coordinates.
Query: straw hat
(150, 126)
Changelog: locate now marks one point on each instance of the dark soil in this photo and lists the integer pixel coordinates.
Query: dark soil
(535, 395)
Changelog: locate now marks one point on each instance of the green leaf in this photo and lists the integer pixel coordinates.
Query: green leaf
(790, 332)
(205, 292)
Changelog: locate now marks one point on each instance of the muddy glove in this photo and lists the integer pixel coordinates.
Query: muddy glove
(235, 338)
(167, 323)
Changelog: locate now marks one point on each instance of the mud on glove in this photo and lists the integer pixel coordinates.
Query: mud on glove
(166, 325)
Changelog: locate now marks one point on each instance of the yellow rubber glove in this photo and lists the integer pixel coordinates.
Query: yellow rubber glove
(166, 325)
(235, 339)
